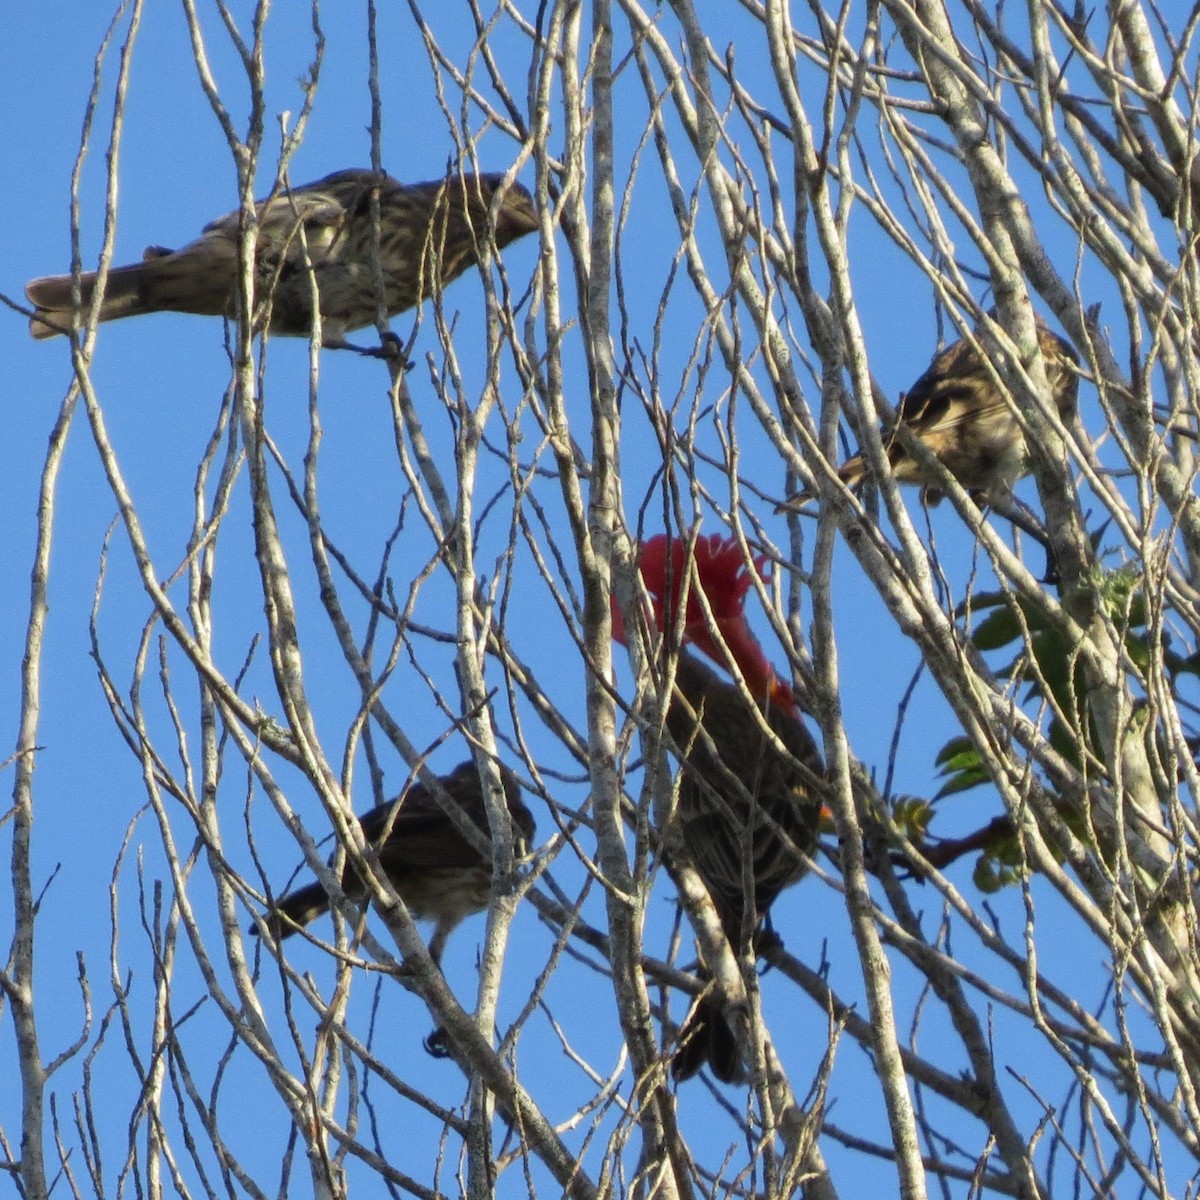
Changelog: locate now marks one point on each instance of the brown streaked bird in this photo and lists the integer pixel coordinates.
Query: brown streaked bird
(960, 413)
(748, 812)
(429, 234)
(438, 874)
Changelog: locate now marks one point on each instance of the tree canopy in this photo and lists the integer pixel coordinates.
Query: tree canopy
(274, 585)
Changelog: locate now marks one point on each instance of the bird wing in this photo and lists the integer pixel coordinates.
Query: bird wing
(419, 833)
(318, 208)
(954, 388)
(957, 386)
(724, 837)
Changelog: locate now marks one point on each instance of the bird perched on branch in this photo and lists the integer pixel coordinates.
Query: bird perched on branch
(960, 412)
(437, 872)
(748, 808)
(318, 239)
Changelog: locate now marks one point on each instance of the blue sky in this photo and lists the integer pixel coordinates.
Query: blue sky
(161, 381)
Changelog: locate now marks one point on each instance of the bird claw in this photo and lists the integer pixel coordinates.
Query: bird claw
(390, 349)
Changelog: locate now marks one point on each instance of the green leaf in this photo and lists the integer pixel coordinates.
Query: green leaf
(1138, 651)
(996, 630)
(961, 766)
(990, 876)
(978, 602)
(963, 781)
(1064, 742)
(1055, 658)
(956, 749)
(912, 814)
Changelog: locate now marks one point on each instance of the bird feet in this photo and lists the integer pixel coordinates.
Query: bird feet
(390, 349)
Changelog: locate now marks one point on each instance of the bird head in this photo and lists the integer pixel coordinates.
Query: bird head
(516, 215)
(723, 573)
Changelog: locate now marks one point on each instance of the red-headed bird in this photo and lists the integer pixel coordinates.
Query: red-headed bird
(320, 237)
(747, 810)
(436, 871)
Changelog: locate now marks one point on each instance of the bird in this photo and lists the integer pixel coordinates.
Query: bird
(436, 871)
(748, 812)
(429, 233)
(959, 411)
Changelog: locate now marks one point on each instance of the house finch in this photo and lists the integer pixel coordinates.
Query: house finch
(747, 810)
(438, 874)
(429, 234)
(958, 410)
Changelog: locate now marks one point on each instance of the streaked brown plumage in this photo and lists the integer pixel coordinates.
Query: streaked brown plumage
(748, 813)
(429, 234)
(438, 874)
(748, 818)
(745, 809)
(958, 411)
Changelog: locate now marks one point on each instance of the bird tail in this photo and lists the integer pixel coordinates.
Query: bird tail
(852, 472)
(124, 296)
(706, 1038)
(199, 278)
(296, 909)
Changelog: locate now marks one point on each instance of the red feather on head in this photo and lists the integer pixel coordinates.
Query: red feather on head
(723, 573)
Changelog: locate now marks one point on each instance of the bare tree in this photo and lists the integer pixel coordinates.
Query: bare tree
(744, 215)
